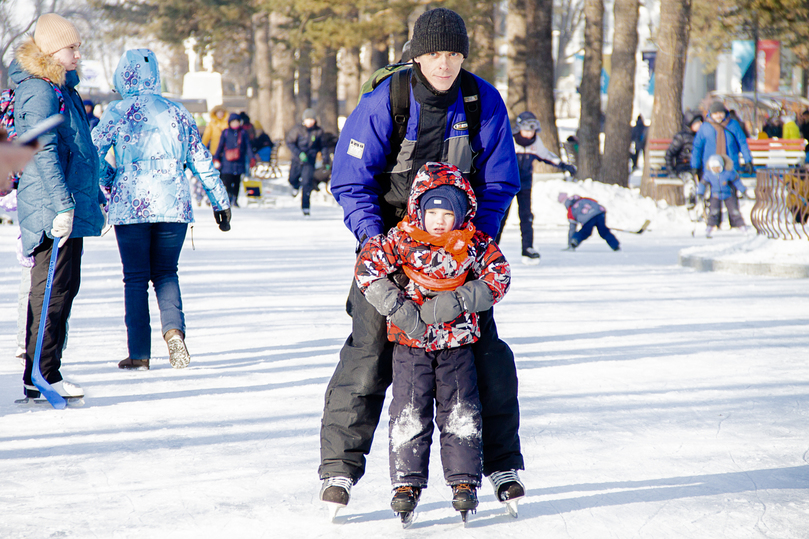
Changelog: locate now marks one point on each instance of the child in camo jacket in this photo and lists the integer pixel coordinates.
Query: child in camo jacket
(430, 276)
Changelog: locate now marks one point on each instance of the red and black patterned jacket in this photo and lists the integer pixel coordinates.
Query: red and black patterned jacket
(384, 257)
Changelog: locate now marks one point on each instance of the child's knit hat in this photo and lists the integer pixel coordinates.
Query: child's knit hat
(446, 197)
(54, 33)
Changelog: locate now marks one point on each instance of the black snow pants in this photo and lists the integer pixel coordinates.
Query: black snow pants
(356, 393)
(446, 377)
(65, 286)
(526, 217)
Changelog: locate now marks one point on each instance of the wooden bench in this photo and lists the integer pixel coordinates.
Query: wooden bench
(767, 153)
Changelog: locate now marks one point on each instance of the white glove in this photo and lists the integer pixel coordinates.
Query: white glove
(62, 226)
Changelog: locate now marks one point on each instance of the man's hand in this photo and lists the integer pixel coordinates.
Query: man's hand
(13, 157)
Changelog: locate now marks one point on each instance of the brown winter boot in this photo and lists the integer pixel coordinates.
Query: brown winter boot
(134, 364)
(178, 353)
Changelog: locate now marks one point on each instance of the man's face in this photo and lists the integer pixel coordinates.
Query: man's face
(68, 57)
(718, 117)
(440, 68)
(309, 122)
(696, 125)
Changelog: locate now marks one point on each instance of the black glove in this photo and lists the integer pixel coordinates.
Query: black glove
(748, 167)
(222, 219)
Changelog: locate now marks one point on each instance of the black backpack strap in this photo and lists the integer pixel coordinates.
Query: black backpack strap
(471, 105)
(399, 109)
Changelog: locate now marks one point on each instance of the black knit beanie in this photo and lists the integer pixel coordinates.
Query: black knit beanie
(439, 30)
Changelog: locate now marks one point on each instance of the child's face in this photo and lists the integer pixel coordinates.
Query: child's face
(438, 221)
(235, 124)
(716, 169)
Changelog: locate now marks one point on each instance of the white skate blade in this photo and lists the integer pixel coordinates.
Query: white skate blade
(333, 508)
(530, 261)
(407, 519)
(511, 506)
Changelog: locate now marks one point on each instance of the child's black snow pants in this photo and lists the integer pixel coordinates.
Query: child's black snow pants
(446, 377)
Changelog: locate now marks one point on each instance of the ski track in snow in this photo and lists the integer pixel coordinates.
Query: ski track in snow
(656, 401)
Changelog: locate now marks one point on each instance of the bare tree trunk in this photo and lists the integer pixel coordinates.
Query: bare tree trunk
(303, 99)
(283, 83)
(675, 27)
(590, 90)
(379, 55)
(263, 67)
(515, 36)
(539, 69)
(481, 36)
(350, 72)
(327, 93)
(621, 95)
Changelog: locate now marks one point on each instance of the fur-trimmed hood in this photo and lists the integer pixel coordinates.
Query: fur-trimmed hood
(32, 61)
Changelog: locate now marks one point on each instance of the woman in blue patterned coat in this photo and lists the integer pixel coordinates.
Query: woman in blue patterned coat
(155, 143)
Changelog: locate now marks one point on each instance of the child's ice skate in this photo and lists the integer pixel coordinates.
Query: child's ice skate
(404, 502)
(509, 489)
(709, 232)
(464, 499)
(335, 493)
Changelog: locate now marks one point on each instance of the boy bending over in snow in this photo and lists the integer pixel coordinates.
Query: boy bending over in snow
(588, 213)
(429, 276)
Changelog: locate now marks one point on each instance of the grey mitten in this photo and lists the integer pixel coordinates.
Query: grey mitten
(407, 319)
(385, 296)
(444, 307)
(476, 296)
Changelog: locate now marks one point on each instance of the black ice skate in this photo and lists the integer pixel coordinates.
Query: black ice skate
(405, 499)
(509, 489)
(335, 493)
(464, 499)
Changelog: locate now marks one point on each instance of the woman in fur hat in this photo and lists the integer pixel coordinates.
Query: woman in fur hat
(58, 195)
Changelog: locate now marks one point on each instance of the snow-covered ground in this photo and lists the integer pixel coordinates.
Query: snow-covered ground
(656, 401)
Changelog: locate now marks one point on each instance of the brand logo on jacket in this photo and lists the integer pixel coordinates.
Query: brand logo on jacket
(355, 148)
(461, 126)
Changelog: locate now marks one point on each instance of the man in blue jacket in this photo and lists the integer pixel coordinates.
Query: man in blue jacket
(372, 182)
(721, 135)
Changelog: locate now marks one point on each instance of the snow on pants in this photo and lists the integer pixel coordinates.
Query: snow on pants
(66, 281)
(599, 222)
(734, 214)
(356, 393)
(446, 377)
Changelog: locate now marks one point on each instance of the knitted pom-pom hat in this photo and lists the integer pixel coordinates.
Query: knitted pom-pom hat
(54, 33)
(439, 30)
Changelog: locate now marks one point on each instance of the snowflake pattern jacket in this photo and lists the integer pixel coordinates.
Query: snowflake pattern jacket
(155, 141)
(383, 257)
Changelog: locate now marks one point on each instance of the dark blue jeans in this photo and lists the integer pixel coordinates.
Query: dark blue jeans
(149, 252)
(599, 222)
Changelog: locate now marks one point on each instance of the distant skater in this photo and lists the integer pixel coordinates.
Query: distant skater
(588, 213)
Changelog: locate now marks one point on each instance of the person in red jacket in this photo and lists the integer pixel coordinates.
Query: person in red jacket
(430, 276)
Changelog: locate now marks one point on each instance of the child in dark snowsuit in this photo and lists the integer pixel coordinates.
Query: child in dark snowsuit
(429, 277)
(588, 213)
(529, 148)
(724, 181)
